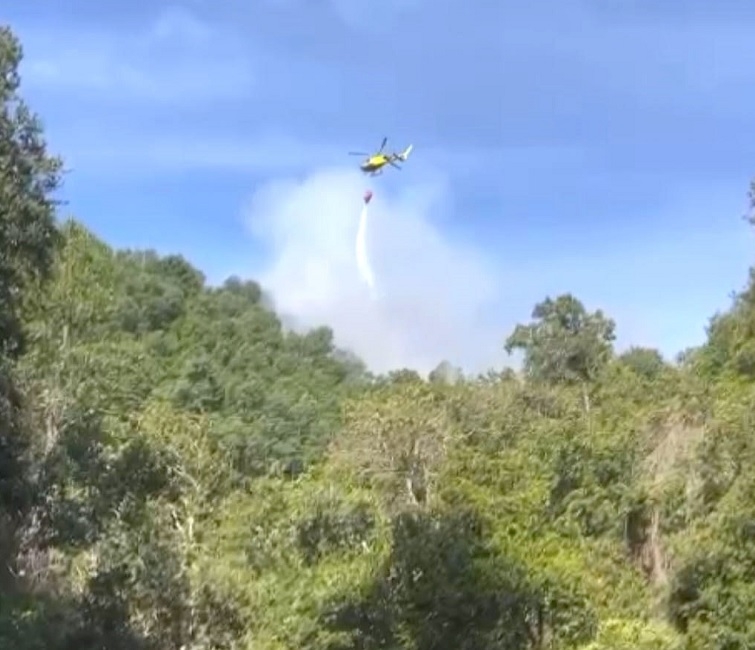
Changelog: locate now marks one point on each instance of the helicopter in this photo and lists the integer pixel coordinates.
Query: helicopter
(374, 163)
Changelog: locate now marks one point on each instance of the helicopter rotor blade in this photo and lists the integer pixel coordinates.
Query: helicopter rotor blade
(382, 146)
(358, 153)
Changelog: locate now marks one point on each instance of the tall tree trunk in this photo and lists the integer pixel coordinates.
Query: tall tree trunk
(585, 399)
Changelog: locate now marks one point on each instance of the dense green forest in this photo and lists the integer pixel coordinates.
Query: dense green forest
(178, 471)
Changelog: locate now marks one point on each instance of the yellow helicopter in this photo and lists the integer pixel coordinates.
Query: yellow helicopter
(374, 163)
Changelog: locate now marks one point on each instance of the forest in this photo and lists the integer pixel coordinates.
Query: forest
(178, 471)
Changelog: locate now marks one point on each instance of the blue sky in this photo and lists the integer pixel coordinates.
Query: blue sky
(598, 147)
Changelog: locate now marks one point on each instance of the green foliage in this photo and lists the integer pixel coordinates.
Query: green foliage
(396, 440)
(730, 348)
(178, 471)
(646, 362)
(443, 587)
(28, 179)
(565, 343)
(617, 634)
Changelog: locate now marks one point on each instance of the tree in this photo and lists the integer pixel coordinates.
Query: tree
(34, 610)
(440, 588)
(28, 177)
(565, 343)
(750, 216)
(398, 438)
(445, 373)
(646, 362)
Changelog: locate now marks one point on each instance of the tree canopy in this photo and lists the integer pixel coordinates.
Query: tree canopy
(179, 471)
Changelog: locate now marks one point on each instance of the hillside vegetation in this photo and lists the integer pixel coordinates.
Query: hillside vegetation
(179, 472)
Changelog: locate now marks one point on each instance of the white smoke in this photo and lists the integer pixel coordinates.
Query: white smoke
(433, 290)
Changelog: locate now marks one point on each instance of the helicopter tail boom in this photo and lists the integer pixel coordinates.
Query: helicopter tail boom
(405, 153)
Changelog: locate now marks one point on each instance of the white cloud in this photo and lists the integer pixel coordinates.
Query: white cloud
(142, 152)
(176, 58)
(431, 291)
